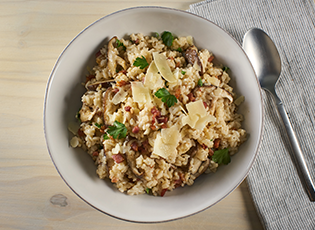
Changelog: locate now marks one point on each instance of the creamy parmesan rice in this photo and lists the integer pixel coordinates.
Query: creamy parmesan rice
(165, 147)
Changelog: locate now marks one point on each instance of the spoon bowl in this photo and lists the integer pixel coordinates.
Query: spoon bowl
(266, 61)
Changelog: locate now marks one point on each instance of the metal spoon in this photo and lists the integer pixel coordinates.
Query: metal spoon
(265, 59)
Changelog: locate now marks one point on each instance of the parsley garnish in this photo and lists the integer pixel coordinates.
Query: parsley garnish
(156, 34)
(225, 68)
(141, 62)
(98, 125)
(221, 156)
(77, 116)
(167, 38)
(117, 131)
(166, 97)
(183, 72)
(179, 49)
(147, 190)
(200, 82)
(120, 44)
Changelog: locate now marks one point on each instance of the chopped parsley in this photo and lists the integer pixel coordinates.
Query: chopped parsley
(98, 125)
(200, 82)
(179, 49)
(221, 156)
(156, 34)
(147, 190)
(120, 44)
(166, 97)
(225, 68)
(141, 62)
(183, 72)
(117, 131)
(77, 116)
(167, 38)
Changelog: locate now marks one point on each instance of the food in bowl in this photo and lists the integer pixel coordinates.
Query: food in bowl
(157, 113)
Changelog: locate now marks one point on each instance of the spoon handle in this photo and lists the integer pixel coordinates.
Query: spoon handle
(300, 160)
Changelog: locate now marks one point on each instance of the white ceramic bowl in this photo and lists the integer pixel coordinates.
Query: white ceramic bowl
(62, 102)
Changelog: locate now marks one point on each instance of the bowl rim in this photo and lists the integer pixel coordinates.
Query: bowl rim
(50, 79)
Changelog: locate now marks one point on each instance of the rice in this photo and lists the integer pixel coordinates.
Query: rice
(143, 144)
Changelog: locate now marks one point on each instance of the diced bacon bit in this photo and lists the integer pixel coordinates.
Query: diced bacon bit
(114, 180)
(177, 64)
(211, 152)
(118, 158)
(164, 126)
(177, 93)
(144, 148)
(155, 112)
(210, 59)
(115, 90)
(178, 183)
(153, 127)
(172, 58)
(98, 53)
(191, 97)
(89, 78)
(81, 133)
(127, 108)
(123, 71)
(102, 129)
(163, 192)
(136, 41)
(162, 119)
(204, 146)
(99, 113)
(121, 83)
(95, 153)
(134, 146)
(135, 129)
(205, 104)
(182, 176)
(216, 143)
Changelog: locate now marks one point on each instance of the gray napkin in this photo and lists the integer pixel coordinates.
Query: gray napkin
(273, 181)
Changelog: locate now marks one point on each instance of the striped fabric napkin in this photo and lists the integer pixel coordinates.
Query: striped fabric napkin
(273, 181)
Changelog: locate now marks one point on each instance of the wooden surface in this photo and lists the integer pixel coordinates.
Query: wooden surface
(32, 194)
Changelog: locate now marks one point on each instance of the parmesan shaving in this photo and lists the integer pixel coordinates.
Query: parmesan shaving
(163, 67)
(140, 93)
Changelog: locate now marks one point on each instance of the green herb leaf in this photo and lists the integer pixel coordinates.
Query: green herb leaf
(225, 68)
(98, 125)
(105, 136)
(120, 44)
(179, 49)
(117, 131)
(183, 72)
(200, 82)
(77, 116)
(166, 97)
(221, 156)
(156, 34)
(141, 62)
(167, 38)
(147, 190)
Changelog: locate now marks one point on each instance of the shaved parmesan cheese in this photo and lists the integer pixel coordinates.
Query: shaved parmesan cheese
(214, 81)
(239, 100)
(140, 93)
(196, 107)
(120, 96)
(197, 115)
(163, 67)
(202, 122)
(190, 40)
(153, 79)
(166, 143)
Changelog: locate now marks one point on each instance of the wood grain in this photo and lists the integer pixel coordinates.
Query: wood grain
(32, 194)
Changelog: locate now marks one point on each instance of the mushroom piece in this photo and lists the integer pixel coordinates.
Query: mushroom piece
(212, 93)
(109, 108)
(191, 56)
(105, 84)
(203, 167)
(87, 112)
(131, 160)
(113, 58)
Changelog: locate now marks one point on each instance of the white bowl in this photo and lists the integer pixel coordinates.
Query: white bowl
(62, 101)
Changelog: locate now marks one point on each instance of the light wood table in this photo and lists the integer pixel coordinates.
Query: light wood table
(32, 194)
